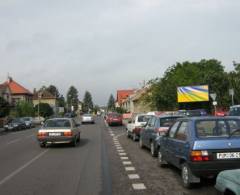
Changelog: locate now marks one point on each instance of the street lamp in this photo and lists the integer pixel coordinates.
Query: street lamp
(39, 96)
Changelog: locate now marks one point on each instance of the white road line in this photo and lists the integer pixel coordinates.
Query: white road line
(120, 150)
(133, 176)
(122, 154)
(124, 158)
(13, 141)
(127, 162)
(139, 186)
(4, 180)
(119, 147)
(117, 136)
(130, 168)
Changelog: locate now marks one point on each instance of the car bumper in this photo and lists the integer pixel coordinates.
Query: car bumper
(115, 122)
(56, 140)
(212, 168)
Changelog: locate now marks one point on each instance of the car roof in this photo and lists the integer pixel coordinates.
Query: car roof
(64, 118)
(209, 117)
(171, 116)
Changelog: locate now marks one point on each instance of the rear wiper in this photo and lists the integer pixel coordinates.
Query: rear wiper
(232, 133)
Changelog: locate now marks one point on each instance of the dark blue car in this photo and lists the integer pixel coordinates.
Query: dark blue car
(201, 147)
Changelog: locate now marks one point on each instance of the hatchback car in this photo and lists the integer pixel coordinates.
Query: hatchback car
(58, 131)
(114, 119)
(28, 122)
(201, 147)
(15, 124)
(87, 118)
(156, 126)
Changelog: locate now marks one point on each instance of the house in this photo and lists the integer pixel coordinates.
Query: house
(122, 95)
(5, 93)
(15, 92)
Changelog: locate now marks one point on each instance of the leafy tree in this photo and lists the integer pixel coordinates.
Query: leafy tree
(87, 102)
(234, 80)
(53, 90)
(45, 110)
(24, 108)
(111, 103)
(61, 101)
(4, 107)
(96, 108)
(72, 98)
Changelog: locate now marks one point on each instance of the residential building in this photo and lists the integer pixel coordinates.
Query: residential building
(5, 93)
(122, 95)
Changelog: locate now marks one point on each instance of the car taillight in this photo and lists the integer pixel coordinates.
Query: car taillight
(42, 134)
(161, 130)
(199, 155)
(68, 133)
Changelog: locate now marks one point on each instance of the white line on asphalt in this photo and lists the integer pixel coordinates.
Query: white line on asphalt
(120, 150)
(117, 136)
(138, 186)
(127, 162)
(133, 176)
(122, 154)
(4, 180)
(119, 147)
(13, 141)
(124, 158)
(130, 168)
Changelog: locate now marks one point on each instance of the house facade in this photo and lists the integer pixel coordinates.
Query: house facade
(44, 96)
(122, 95)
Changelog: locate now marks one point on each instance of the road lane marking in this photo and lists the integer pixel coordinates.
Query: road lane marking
(133, 176)
(130, 169)
(13, 141)
(127, 162)
(122, 154)
(120, 150)
(14, 173)
(124, 158)
(139, 186)
(117, 136)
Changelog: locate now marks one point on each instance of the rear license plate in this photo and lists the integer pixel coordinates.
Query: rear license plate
(54, 134)
(228, 155)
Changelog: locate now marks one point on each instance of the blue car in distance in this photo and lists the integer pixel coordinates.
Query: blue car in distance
(201, 147)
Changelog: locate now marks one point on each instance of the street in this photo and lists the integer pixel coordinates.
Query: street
(105, 162)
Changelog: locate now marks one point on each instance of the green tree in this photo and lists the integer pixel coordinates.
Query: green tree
(53, 90)
(4, 107)
(24, 108)
(72, 98)
(87, 102)
(111, 103)
(61, 101)
(45, 110)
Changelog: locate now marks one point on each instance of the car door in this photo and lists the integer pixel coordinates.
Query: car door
(74, 128)
(144, 132)
(149, 131)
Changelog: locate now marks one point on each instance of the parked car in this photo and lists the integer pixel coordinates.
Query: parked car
(114, 119)
(156, 126)
(15, 124)
(135, 125)
(58, 131)
(227, 182)
(201, 147)
(38, 120)
(28, 122)
(87, 118)
(70, 115)
(191, 113)
(234, 110)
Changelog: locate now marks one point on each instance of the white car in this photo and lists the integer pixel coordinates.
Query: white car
(87, 118)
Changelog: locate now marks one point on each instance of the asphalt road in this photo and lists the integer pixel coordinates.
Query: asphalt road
(105, 162)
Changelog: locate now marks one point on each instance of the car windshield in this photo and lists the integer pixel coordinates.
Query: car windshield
(57, 123)
(217, 128)
(26, 119)
(167, 122)
(16, 120)
(234, 111)
(87, 115)
(141, 118)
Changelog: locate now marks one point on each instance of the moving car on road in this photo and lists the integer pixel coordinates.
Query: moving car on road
(87, 118)
(156, 126)
(201, 147)
(59, 130)
(114, 119)
(28, 122)
(15, 124)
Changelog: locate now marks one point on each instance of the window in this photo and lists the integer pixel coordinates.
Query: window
(141, 118)
(57, 123)
(233, 126)
(167, 122)
(173, 130)
(151, 122)
(182, 131)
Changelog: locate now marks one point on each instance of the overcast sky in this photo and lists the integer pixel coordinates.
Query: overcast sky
(105, 45)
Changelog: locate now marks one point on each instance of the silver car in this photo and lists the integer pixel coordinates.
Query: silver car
(87, 118)
(58, 131)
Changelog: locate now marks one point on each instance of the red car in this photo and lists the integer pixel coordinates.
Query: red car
(114, 119)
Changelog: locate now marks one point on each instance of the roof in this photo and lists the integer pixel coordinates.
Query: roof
(45, 94)
(123, 94)
(16, 88)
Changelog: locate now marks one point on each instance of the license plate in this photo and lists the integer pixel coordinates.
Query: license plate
(54, 134)
(228, 155)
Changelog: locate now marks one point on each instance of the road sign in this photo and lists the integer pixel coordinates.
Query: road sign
(231, 92)
(214, 103)
(213, 96)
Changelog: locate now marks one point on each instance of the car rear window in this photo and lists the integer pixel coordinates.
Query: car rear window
(217, 128)
(167, 122)
(57, 123)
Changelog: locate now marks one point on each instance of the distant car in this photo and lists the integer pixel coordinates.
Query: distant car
(15, 124)
(227, 182)
(59, 130)
(28, 122)
(114, 119)
(135, 124)
(201, 147)
(192, 113)
(234, 110)
(69, 115)
(87, 118)
(156, 126)
(38, 120)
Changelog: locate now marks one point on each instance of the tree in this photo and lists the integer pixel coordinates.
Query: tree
(24, 108)
(111, 103)
(4, 107)
(61, 101)
(45, 110)
(72, 98)
(87, 102)
(53, 90)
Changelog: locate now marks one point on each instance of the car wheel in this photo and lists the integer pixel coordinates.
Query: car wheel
(79, 138)
(186, 174)
(134, 137)
(128, 134)
(153, 151)
(74, 142)
(161, 161)
(42, 145)
(141, 143)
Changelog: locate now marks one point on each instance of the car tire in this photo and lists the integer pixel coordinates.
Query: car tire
(186, 174)
(161, 162)
(79, 138)
(74, 142)
(128, 134)
(141, 143)
(42, 145)
(152, 149)
(134, 137)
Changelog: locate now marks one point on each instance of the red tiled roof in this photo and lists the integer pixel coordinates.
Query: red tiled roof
(123, 94)
(16, 88)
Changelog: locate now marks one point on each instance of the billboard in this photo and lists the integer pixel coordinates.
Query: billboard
(193, 93)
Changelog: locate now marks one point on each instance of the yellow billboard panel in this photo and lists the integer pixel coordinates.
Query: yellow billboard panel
(193, 93)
